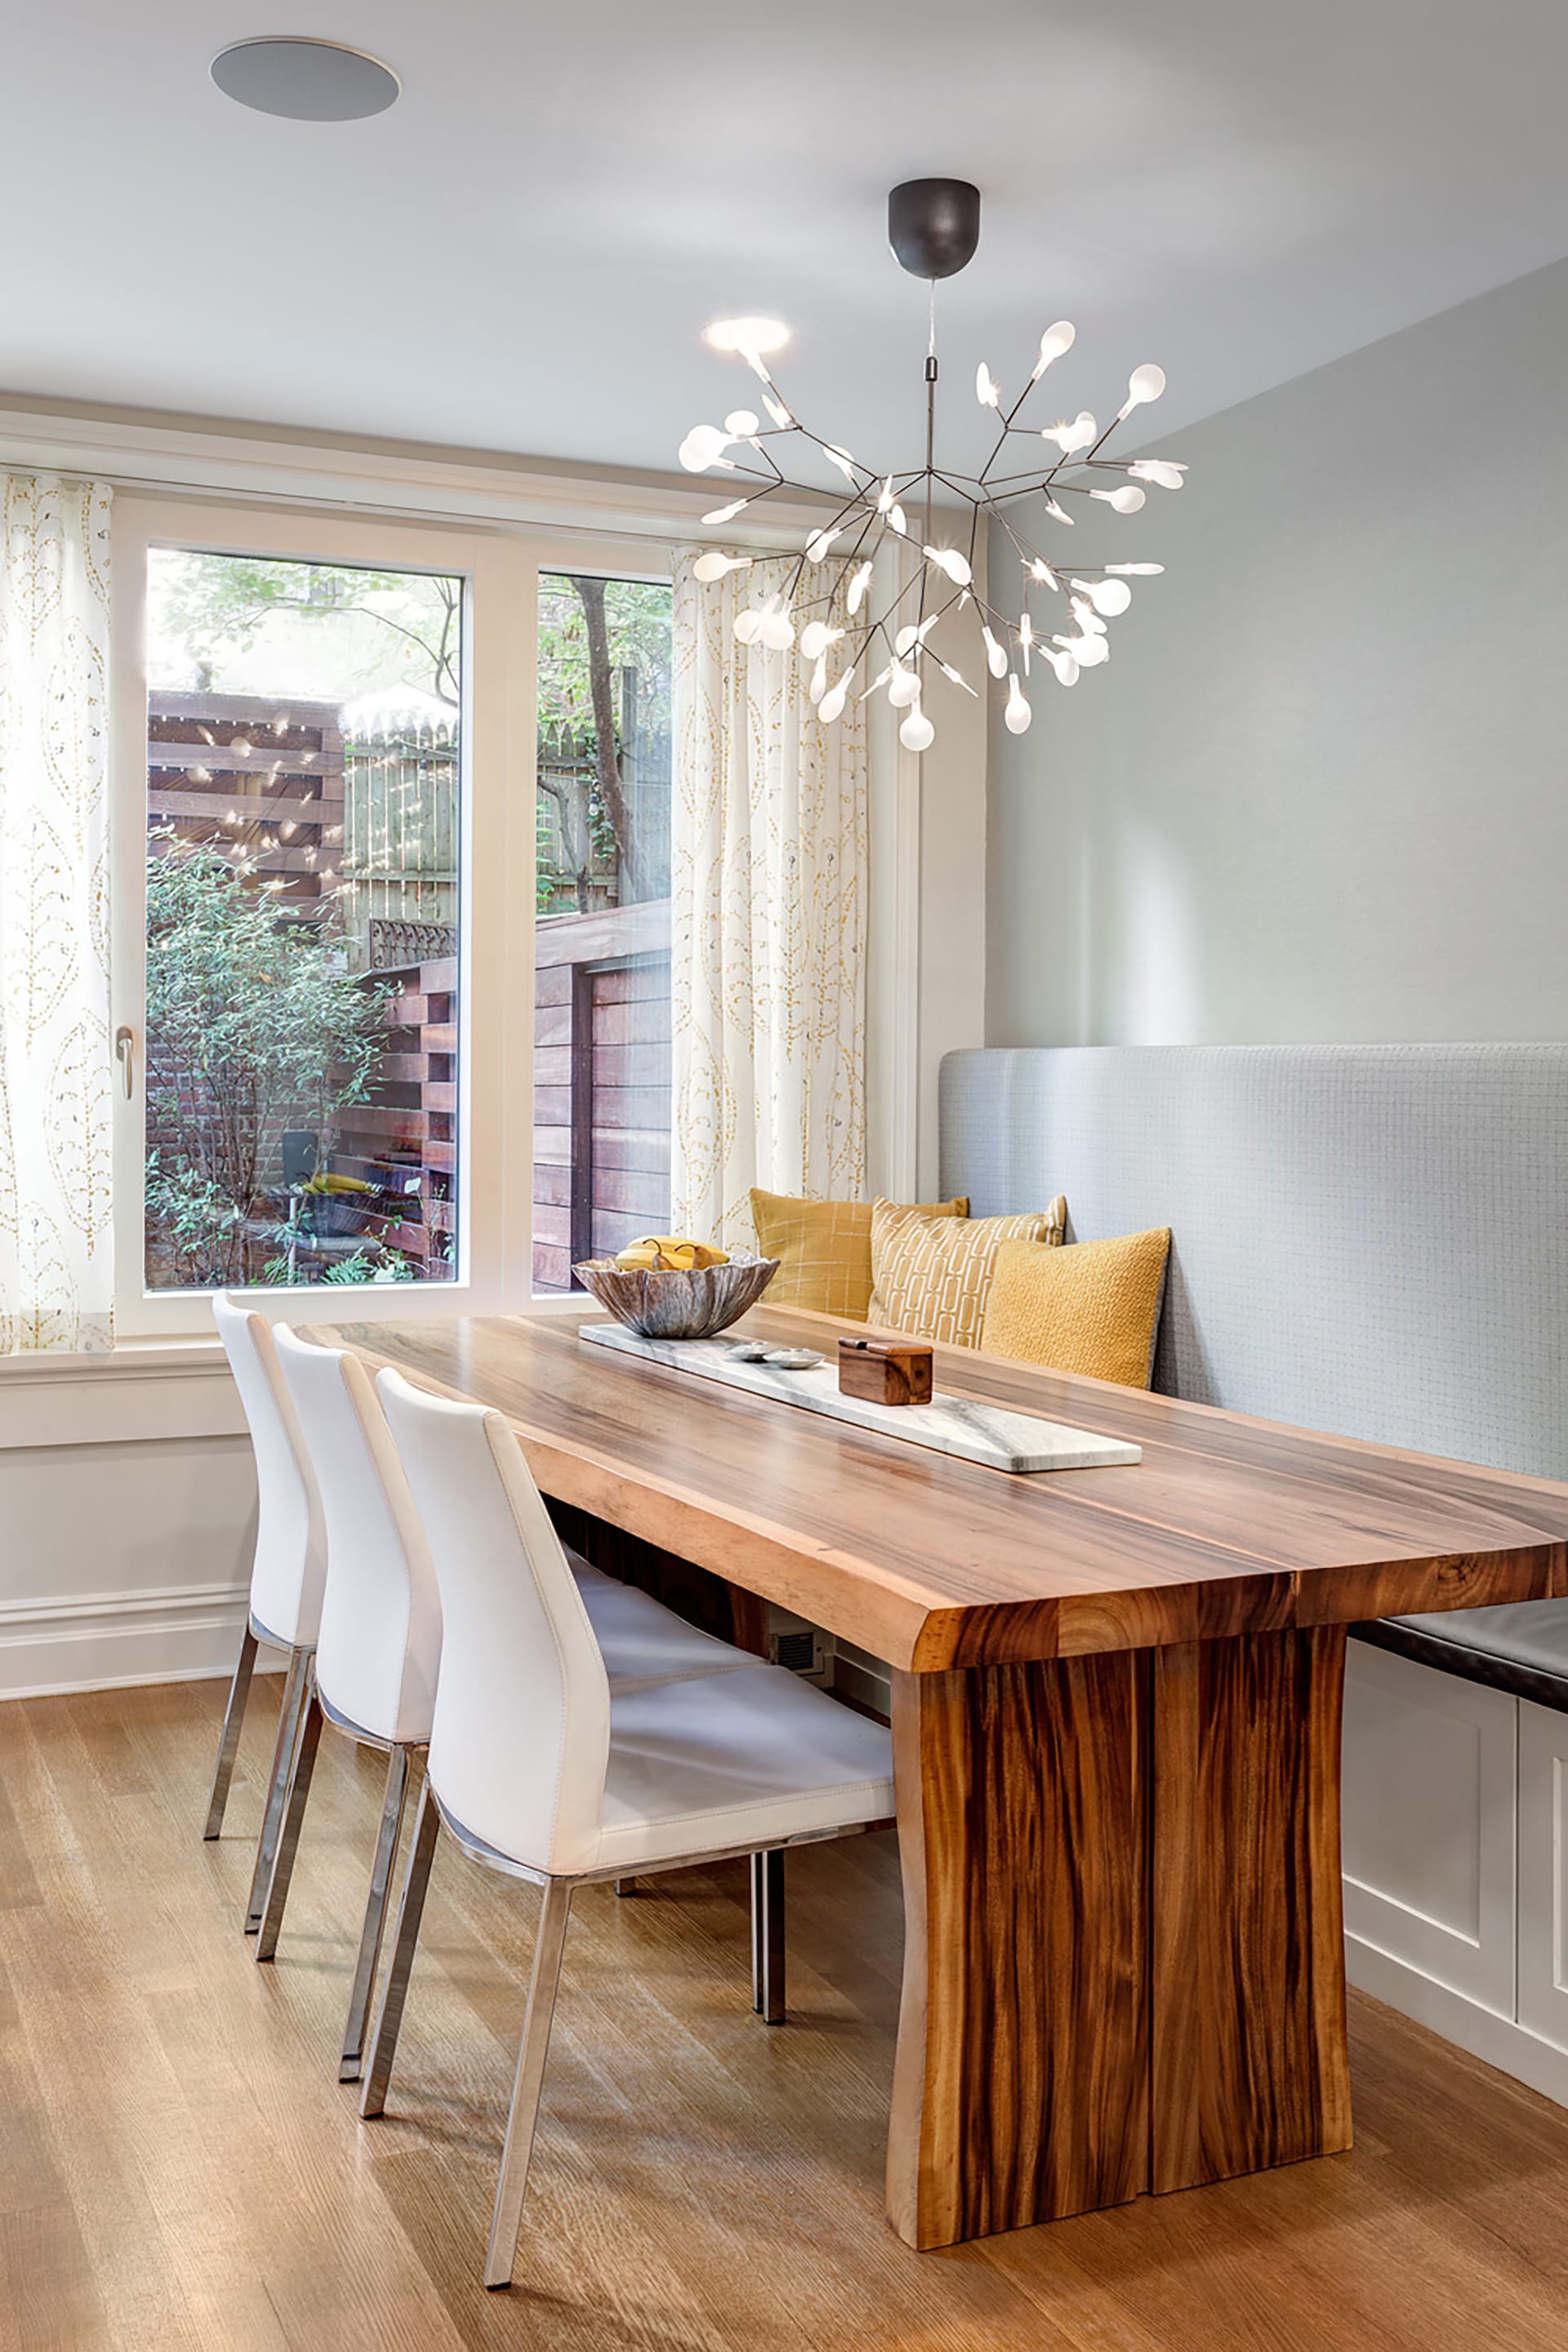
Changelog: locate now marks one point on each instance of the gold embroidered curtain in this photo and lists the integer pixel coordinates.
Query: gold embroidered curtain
(56, 1259)
(768, 891)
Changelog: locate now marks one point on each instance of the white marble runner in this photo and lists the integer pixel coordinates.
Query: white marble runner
(948, 1424)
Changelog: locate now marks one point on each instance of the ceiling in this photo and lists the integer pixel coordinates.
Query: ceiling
(520, 256)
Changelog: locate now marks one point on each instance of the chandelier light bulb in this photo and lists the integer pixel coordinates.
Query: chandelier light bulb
(861, 581)
(1038, 569)
(1070, 438)
(1017, 715)
(752, 338)
(842, 459)
(818, 686)
(831, 707)
(1126, 500)
(815, 638)
(996, 656)
(903, 686)
(748, 625)
(820, 541)
(713, 566)
(1107, 596)
(917, 734)
(1059, 513)
(741, 424)
(1145, 382)
(779, 413)
(703, 446)
(1063, 660)
(1164, 472)
(1137, 571)
(776, 629)
(948, 560)
(987, 390)
(726, 514)
(1053, 343)
(957, 678)
(896, 516)
(1087, 651)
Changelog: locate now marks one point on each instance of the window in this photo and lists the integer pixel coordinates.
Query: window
(303, 853)
(343, 812)
(600, 979)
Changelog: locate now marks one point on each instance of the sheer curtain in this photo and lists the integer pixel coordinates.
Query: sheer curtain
(55, 1270)
(768, 900)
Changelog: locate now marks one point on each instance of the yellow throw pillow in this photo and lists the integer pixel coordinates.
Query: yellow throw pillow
(1093, 1308)
(824, 1249)
(931, 1278)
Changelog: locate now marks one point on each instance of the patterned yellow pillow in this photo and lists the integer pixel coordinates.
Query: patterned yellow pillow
(824, 1248)
(931, 1278)
(1093, 1309)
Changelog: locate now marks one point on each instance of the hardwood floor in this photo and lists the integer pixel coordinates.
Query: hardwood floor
(178, 2166)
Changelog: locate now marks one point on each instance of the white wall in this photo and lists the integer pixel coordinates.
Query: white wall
(127, 1519)
(1320, 790)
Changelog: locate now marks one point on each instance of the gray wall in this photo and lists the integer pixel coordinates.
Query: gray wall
(1320, 792)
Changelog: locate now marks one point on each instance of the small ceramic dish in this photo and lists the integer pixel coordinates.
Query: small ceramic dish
(792, 1359)
(748, 1351)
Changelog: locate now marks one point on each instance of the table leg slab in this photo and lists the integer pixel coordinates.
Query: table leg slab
(1021, 2083)
(1247, 1990)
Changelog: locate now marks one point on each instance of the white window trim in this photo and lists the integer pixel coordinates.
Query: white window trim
(591, 517)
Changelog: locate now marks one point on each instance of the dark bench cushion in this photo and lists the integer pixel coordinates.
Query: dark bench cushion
(1522, 1648)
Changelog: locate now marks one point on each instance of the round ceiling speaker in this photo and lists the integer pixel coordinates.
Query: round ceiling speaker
(305, 80)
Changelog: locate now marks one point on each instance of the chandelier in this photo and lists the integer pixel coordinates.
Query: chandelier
(1065, 604)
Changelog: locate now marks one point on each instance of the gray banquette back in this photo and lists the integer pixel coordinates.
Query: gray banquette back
(1366, 1239)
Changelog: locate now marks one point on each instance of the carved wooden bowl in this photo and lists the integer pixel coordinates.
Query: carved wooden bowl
(667, 1303)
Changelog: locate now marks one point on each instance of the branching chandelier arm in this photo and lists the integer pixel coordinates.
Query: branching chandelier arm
(934, 226)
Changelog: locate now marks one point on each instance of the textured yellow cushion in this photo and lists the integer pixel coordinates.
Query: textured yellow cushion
(1093, 1308)
(931, 1278)
(824, 1249)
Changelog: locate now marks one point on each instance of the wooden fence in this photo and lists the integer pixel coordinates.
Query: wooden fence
(600, 1084)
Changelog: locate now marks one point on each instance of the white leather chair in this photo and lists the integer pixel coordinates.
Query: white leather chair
(379, 1646)
(287, 1575)
(541, 1768)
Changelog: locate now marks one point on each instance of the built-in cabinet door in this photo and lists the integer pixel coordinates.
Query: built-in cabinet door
(1542, 1852)
(1429, 1823)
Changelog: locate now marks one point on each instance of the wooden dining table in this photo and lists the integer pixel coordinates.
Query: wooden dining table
(1116, 1707)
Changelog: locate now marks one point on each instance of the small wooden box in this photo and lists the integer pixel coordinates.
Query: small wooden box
(885, 1372)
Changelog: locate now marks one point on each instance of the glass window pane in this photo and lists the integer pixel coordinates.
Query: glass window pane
(602, 1024)
(304, 726)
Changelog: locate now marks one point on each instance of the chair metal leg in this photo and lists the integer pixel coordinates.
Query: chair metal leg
(500, 2255)
(300, 1778)
(625, 1886)
(229, 1739)
(400, 1967)
(297, 1686)
(397, 1766)
(768, 1935)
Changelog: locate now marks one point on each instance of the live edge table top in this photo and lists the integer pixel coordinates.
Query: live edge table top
(1228, 1525)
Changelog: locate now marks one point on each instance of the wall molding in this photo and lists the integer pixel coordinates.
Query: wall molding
(126, 1398)
(112, 1641)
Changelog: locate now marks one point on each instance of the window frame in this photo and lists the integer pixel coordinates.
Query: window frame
(494, 1124)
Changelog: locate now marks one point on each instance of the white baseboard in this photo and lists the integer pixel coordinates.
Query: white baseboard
(1498, 2040)
(112, 1641)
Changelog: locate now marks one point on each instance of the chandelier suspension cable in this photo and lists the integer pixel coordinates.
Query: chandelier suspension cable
(934, 228)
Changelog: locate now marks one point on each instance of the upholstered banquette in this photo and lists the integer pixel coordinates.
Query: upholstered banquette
(1371, 1240)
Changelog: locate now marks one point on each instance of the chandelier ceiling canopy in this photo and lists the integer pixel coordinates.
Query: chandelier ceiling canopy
(843, 621)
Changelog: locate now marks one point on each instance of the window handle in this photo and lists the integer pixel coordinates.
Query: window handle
(125, 1054)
